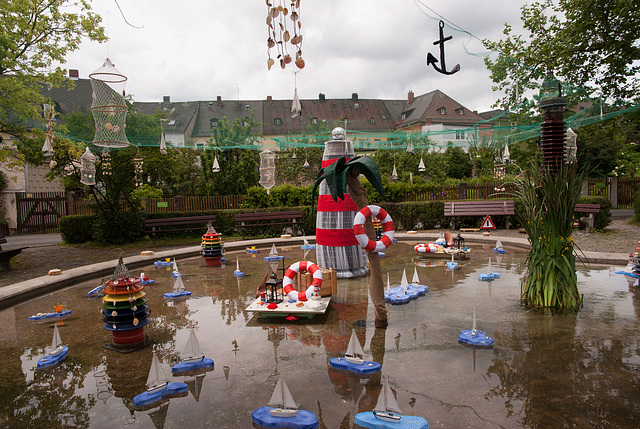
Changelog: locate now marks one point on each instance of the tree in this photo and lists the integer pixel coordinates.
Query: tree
(457, 163)
(590, 45)
(35, 35)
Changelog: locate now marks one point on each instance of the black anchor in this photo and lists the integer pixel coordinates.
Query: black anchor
(431, 60)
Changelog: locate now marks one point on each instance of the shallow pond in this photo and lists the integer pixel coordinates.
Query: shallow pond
(544, 371)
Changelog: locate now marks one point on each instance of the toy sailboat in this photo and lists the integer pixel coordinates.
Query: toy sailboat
(178, 290)
(498, 248)
(307, 246)
(237, 271)
(452, 265)
(387, 408)
(57, 352)
(192, 356)
(175, 271)
(474, 336)
(157, 386)
(489, 276)
(285, 412)
(282, 401)
(354, 351)
(354, 359)
(405, 292)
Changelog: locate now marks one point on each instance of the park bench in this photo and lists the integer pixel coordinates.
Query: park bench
(175, 224)
(454, 209)
(7, 254)
(591, 209)
(247, 220)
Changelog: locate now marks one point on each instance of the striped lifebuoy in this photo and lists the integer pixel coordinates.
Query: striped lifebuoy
(388, 230)
(312, 291)
(428, 248)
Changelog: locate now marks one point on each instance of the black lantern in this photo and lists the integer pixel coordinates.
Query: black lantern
(274, 290)
(458, 241)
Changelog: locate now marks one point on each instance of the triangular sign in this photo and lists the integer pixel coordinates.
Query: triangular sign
(487, 223)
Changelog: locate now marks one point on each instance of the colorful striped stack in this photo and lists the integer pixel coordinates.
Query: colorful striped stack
(125, 310)
(377, 226)
(212, 248)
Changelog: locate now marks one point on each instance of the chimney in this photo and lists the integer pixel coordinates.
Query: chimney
(166, 99)
(74, 74)
(410, 97)
(354, 96)
(269, 98)
(219, 101)
(321, 97)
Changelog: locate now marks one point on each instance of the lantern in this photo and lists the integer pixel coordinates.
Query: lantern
(267, 169)
(458, 241)
(274, 289)
(109, 108)
(88, 168)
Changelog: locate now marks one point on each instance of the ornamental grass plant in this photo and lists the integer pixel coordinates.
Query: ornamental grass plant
(547, 215)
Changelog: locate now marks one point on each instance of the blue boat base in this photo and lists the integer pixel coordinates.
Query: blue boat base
(368, 420)
(146, 398)
(47, 316)
(190, 366)
(489, 276)
(480, 340)
(302, 420)
(397, 295)
(495, 249)
(365, 367)
(177, 295)
(49, 361)
(628, 273)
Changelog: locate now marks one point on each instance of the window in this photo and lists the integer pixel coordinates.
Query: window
(171, 123)
(277, 121)
(245, 122)
(459, 135)
(461, 111)
(372, 121)
(443, 111)
(404, 116)
(213, 123)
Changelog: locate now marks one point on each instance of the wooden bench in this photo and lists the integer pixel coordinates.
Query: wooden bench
(591, 209)
(7, 254)
(247, 220)
(454, 209)
(174, 224)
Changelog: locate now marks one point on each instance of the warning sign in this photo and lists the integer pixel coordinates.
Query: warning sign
(487, 223)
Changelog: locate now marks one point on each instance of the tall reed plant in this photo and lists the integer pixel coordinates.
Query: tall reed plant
(548, 202)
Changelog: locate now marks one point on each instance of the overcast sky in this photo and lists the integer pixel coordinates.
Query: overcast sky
(201, 49)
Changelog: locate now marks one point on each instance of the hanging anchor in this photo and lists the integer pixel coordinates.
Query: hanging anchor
(431, 60)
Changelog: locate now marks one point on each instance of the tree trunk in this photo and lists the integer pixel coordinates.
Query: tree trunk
(376, 287)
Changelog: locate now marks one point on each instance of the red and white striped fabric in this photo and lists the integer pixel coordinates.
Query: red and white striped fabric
(313, 290)
(388, 230)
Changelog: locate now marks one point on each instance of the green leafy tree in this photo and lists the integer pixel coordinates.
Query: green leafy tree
(457, 163)
(35, 35)
(589, 44)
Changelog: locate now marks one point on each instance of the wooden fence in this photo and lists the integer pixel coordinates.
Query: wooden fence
(39, 212)
(178, 204)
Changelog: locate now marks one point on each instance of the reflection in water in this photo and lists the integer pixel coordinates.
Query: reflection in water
(545, 370)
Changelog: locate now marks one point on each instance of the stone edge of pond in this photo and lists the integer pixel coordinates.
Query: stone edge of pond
(16, 293)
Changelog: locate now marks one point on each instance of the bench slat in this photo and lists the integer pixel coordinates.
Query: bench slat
(258, 219)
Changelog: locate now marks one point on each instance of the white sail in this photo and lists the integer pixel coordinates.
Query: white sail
(156, 379)
(474, 330)
(306, 163)
(421, 166)
(282, 400)
(498, 244)
(163, 144)
(178, 286)
(354, 348)
(386, 400)
(296, 107)
(215, 167)
(394, 175)
(415, 280)
(403, 282)
(274, 251)
(175, 266)
(56, 338)
(388, 284)
(192, 351)
(306, 242)
(237, 264)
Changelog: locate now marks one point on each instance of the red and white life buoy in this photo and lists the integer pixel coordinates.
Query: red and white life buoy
(313, 290)
(388, 230)
(428, 248)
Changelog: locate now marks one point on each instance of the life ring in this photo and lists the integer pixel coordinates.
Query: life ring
(388, 230)
(312, 291)
(428, 248)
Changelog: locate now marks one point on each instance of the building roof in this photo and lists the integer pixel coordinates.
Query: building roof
(68, 101)
(426, 109)
(231, 109)
(364, 115)
(179, 115)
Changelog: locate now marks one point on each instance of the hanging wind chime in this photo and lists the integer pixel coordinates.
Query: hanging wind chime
(215, 167)
(163, 143)
(47, 147)
(421, 166)
(109, 108)
(106, 163)
(278, 19)
(267, 169)
(296, 107)
(88, 168)
(137, 164)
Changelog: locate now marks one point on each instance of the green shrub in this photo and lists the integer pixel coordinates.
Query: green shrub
(77, 228)
(118, 228)
(636, 207)
(602, 219)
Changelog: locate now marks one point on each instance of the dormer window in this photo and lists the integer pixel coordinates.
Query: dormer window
(277, 121)
(171, 123)
(372, 121)
(403, 116)
(443, 111)
(213, 123)
(461, 111)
